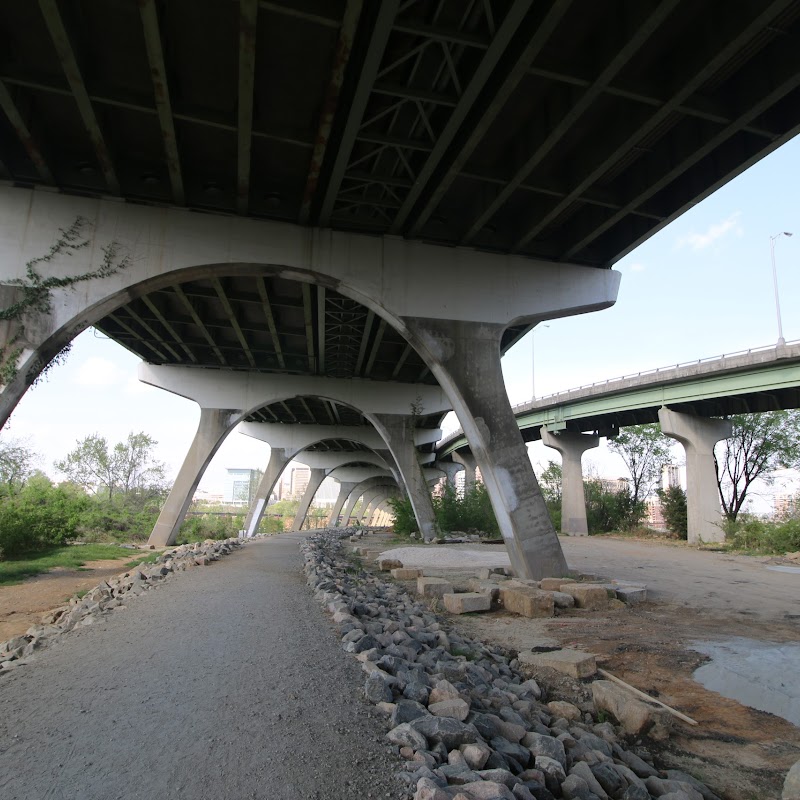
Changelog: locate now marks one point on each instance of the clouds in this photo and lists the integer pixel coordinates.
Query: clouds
(715, 232)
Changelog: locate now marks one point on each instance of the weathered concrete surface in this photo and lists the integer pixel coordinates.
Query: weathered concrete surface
(224, 682)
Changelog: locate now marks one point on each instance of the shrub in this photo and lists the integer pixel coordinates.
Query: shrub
(611, 511)
(749, 533)
(40, 516)
(404, 520)
(209, 526)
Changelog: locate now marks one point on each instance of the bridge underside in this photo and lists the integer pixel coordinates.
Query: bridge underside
(561, 130)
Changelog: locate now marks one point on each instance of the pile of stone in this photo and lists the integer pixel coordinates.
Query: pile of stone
(467, 723)
(107, 596)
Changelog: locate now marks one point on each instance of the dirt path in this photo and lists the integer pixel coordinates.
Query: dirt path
(23, 604)
(223, 682)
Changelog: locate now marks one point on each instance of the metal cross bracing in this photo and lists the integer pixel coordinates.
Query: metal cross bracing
(266, 324)
(563, 130)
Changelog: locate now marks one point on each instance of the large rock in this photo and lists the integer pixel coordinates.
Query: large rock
(527, 602)
(659, 787)
(475, 755)
(405, 736)
(450, 732)
(570, 662)
(541, 745)
(388, 564)
(377, 689)
(444, 690)
(635, 716)
(488, 790)
(457, 709)
(429, 790)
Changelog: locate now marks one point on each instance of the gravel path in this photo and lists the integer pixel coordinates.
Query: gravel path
(225, 682)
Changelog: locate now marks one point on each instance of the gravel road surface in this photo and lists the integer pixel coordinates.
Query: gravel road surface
(225, 682)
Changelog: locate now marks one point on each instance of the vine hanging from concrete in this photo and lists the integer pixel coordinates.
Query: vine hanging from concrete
(36, 292)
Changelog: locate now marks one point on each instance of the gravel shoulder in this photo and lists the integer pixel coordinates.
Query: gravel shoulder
(224, 682)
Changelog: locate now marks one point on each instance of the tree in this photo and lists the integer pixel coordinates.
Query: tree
(673, 505)
(645, 450)
(16, 463)
(550, 482)
(758, 445)
(128, 470)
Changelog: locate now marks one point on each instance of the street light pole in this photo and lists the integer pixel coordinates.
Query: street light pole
(781, 340)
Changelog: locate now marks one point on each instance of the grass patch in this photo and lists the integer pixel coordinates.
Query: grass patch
(69, 556)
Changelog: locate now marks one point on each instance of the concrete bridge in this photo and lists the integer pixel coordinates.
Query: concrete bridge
(688, 401)
(356, 243)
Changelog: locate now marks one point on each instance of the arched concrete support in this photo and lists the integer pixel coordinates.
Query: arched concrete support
(215, 424)
(468, 462)
(362, 487)
(279, 457)
(698, 436)
(450, 469)
(465, 358)
(398, 430)
(167, 245)
(345, 488)
(314, 481)
(370, 501)
(572, 446)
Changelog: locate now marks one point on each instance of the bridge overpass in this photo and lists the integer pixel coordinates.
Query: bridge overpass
(686, 399)
(351, 209)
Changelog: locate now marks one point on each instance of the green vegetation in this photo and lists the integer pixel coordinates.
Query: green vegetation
(673, 504)
(645, 450)
(69, 557)
(471, 513)
(209, 526)
(759, 537)
(611, 511)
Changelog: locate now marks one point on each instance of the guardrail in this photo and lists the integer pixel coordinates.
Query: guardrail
(543, 400)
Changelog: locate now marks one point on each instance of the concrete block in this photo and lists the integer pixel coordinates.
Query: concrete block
(485, 587)
(388, 564)
(554, 584)
(405, 574)
(433, 587)
(589, 596)
(526, 601)
(563, 600)
(632, 594)
(570, 662)
(464, 602)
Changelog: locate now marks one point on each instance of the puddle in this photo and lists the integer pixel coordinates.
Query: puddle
(794, 570)
(761, 675)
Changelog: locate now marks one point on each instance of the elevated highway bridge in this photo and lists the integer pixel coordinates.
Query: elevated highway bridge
(342, 213)
(690, 401)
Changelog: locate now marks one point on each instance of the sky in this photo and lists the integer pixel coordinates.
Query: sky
(700, 287)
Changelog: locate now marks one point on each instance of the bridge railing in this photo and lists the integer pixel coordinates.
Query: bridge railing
(548, 399)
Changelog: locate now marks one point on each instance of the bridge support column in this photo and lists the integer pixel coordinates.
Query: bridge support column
(345, 488)
(467, 460)
(279, 457)
(215, 424)
(450, 469)
(370, 503)
(573, 501)
(698, 436)
(465, 358)
(314, 481)
(398, 432)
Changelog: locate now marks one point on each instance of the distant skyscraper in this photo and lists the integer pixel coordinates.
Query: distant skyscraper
(239, 486)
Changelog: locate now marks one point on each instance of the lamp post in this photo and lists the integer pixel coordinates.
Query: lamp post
(781, 340)
(533, 361)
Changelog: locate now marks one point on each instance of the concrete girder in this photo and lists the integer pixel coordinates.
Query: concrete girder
(250, 391)
(358, 474)
(298, 437)
(279, 457)
(698, 436)
(393, 277)
(345, 488)
(330, 461)
(467, 461)
(450, 469)
(572, 446)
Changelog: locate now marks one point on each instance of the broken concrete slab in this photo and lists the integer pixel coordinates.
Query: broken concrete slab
(433, 587)
(635, 716)
(465, 602)
(485, 587)
(527, 602)
(574, 663)
(388, 564)
(632, 594)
